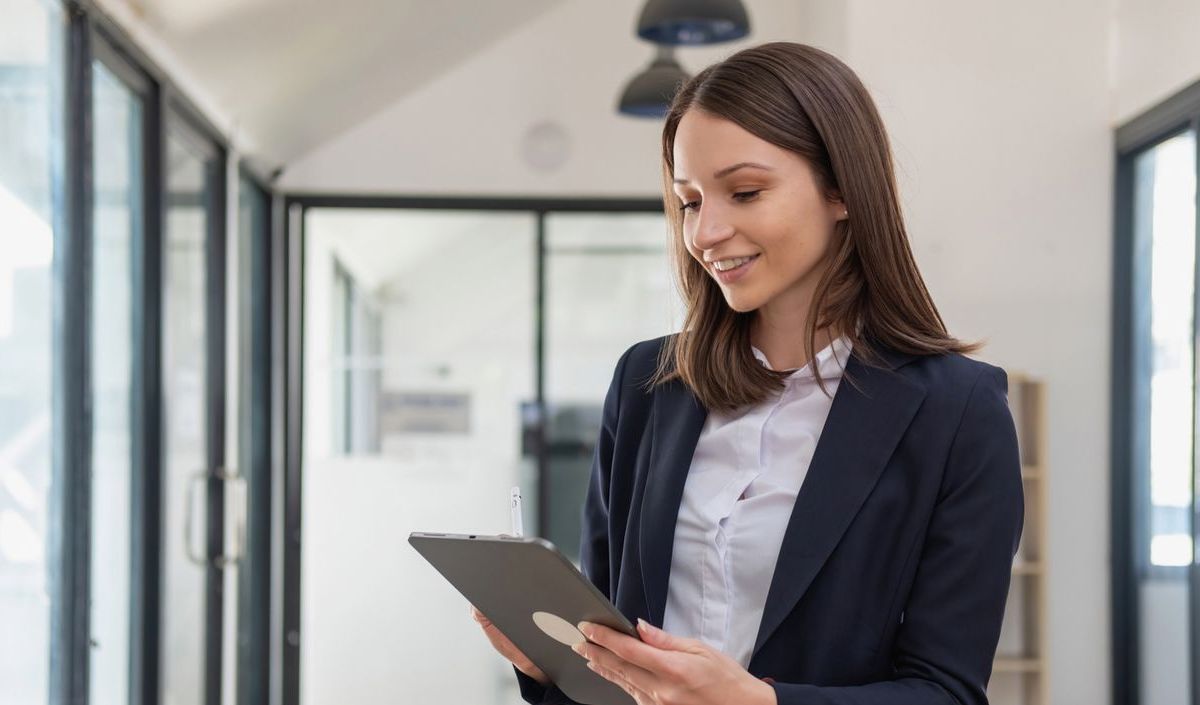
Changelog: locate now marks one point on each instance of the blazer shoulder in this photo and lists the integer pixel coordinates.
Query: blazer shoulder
(954, 369)
(950, 380)
(640, 362)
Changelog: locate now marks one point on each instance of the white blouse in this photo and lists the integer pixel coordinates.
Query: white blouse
(745, 474)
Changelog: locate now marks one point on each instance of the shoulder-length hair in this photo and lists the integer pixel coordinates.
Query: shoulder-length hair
(805, 100)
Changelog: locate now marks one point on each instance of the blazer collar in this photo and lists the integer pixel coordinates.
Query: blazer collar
(870, 412)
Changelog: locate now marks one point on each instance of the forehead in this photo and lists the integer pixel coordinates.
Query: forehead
(705, 143)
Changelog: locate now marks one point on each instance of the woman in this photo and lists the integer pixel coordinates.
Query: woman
(810, 495)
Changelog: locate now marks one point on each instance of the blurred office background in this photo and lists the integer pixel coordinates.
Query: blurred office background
(281, 282)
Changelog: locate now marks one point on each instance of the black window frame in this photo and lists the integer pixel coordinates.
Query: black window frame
(1129, 429)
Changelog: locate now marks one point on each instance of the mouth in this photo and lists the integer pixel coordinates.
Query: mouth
(729, 274)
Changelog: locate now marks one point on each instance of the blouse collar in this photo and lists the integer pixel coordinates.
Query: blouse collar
(831, 360)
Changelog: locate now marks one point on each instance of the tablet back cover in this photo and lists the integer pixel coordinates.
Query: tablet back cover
(535, 596)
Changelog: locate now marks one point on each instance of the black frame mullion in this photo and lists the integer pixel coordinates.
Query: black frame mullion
(293, 279)
(215, 369)
(70, 515)
(280, 438)
(147, 556)
(254, 572)
(542, 455)
(1125, 628)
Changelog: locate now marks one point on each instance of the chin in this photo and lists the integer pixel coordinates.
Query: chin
(741, 304)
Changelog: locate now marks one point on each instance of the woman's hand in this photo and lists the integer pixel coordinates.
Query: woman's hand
(509, 650)
(663, 669)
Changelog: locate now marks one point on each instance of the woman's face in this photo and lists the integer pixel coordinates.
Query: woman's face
(745, 197)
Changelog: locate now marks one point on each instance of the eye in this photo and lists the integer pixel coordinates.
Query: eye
(742, 196)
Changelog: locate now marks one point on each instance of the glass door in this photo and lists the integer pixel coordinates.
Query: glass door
(418, 360)
(193, 385)
(608, 285)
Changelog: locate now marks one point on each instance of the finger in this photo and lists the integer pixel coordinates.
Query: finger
(667, 641)
(647, 656)
(637, 676)
(639, 695)
(480, 617)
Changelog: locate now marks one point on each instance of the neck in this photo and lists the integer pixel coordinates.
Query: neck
(782, 340)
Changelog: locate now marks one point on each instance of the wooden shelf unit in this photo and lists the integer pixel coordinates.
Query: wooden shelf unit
(1020, 673)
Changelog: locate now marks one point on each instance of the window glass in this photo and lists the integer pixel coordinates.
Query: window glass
(31, 139)
(116, 222)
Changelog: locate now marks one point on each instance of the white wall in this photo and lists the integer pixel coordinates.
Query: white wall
(1155, 53)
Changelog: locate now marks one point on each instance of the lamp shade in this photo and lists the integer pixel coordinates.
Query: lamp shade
(649, 93)
(677, 22)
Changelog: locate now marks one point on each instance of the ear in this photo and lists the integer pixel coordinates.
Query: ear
(838, 209)
(837, 206)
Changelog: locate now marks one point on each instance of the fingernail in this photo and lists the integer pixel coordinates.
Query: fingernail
(643, 624)
(585, 629)
(577, 648)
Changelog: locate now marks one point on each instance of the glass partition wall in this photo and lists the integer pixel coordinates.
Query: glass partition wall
(449, 354)
(32, 63)
(113, 286)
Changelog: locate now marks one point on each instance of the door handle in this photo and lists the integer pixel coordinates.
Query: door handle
(198, 479)
(233, 481)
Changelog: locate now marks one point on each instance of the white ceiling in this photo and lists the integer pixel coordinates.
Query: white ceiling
(295, 73)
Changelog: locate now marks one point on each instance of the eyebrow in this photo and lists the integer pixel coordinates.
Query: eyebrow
(721, 173)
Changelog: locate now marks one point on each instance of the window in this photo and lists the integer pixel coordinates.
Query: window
(116, 226)
(31, 154)
(1154, 402)
(1165, 234)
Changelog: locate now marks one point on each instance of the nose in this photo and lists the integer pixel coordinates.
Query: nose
(710, 228)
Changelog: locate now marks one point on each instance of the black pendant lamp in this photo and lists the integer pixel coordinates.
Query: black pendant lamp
(690, 22)
(649, 93)
(672, 23)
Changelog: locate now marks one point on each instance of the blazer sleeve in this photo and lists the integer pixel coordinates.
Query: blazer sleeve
(945, 647)
(593, 542)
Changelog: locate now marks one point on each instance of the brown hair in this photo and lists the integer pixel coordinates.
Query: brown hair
(807, 101)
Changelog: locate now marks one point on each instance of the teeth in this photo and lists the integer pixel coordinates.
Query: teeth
(725, 265)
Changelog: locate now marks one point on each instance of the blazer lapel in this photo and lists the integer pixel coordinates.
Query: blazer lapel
(676, 421)
(864, 425)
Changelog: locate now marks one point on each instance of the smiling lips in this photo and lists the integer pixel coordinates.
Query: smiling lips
(724, 265)
(730, 270)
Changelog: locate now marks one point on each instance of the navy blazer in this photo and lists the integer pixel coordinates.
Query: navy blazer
(891, 582)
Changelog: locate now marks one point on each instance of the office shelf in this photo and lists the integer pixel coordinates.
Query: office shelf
(1020, 673)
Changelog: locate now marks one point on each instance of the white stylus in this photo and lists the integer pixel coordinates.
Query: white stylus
(518, 528)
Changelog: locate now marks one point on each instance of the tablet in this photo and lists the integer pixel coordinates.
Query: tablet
(535, 596)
